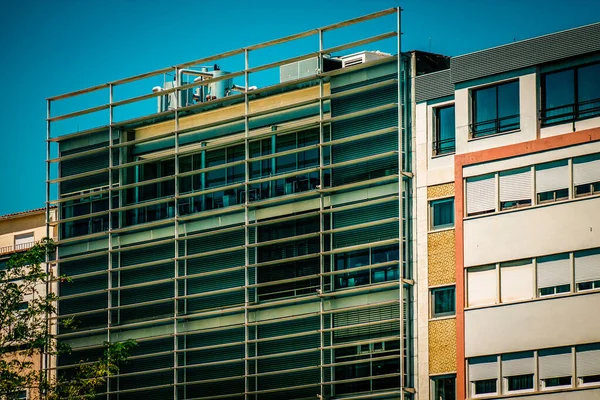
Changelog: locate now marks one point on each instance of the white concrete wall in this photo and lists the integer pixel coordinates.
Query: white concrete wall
(538, 324)
(587, 394)
(531, 232)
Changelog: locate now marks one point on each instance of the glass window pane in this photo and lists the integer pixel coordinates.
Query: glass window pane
(442, 213)
(588, 90)
(485, 104)
(444, 388)
(559, 96)
(445, 130)
(508, 106)
(443, 301)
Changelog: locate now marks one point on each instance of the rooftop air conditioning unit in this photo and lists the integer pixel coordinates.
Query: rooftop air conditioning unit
(305, 68)
(362, 57)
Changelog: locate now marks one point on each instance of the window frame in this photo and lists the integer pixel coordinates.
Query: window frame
(432, 302)
(436, 143)
(574, 90)
(432, 204)
(436, 378)
(473, 134)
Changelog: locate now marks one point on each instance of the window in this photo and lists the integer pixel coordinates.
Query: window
(518, 370)
(516, 280)
(586, 175)
(571, 94)
(481, 286)
(555, 367)
(495, 109)
(444, 131)
(588, 364)
(481, 194)
(515, 188)
(442, 213)
(483, 375)
(552, 181)
(587, 269)
(443, 387)
(443, 301)
(24, 241)
(554, 274)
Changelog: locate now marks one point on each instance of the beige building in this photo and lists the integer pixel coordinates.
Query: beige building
(19, 232)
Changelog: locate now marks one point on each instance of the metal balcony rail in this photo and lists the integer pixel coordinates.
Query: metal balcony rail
(570, 112)
(445, 146)
(497, 125)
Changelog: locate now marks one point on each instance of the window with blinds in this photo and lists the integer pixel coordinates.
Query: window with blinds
(516, 280)
(552, 181)
(515, 188)
(587, 269)
(586, 175)
(481, 286)
(518, 370)
(481, 194)
(483, 375)
(588, 364)
(555, 367)
(554, 274)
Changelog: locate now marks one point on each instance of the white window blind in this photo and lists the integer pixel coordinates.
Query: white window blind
(588, 360)
(482, 285)
(481, 194)
(24, 238)
(553, 271)
(555, 363)
(586, 169)
(587, 266)
(552, 176)
(481, 368)
(518, 364)
(515, 184)
(516, 281)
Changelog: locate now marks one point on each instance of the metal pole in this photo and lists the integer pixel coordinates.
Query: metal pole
(176, 235)
(46, 356)
(400, 200)
(110, 227)
(246, 228)
(321, 220)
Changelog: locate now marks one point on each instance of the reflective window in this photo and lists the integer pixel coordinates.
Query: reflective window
(444, 131)
(495, 109)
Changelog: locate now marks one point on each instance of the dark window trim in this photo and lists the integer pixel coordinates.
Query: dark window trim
(497, 128)
(575, 106)
(438, 145)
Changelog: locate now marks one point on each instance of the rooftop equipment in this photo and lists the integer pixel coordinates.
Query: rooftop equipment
(362, 57)
(309, 67)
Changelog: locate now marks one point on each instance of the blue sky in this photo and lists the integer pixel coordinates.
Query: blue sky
(52, 47)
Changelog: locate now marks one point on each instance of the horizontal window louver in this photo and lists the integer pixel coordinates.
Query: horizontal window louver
(588, 360)
(145, 274)
(360, 215)
(146, 255)
(289, 379)
(366, 235)
(215, 242)
(305, 342)
(363, 316)
(215, 282)
(555, 363)
(552, 176)
(143, 313)
(83, 285)
(222, 300)
(368, 99)
(288, 362)
(82, 304)
(363, 83)
(365, 170)
(364, 124)
(587, 266)
(364, 148)
(147, 364)
(140, 394)
(553, 271)
(146, 293)
(146, 380)
(216, 389)
(481, 194)
(289, 327)
(76, 356)
(215, 262)
(213, 372)
(481, 368)
(515, 184)
(518, 364)
(586, 169)
(212, 355)
(72, 268)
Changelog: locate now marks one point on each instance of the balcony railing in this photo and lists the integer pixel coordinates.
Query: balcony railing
(570, 112)
(497, 125)
(445, 146)
(16, 247)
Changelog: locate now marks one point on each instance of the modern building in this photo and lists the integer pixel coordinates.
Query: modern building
(18, 233)
(348, 224)
(508, 243)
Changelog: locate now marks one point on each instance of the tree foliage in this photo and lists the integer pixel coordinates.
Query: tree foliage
(26, 334)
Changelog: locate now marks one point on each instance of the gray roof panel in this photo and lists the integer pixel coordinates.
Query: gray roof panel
(433, 86)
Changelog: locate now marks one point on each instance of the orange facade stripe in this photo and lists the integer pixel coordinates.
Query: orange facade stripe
(493, 154)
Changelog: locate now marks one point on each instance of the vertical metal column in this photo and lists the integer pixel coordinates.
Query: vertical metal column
(246, 228)
(175, 236)
(110, 185)
(321, 220)
(46, 357)
(400, 199)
